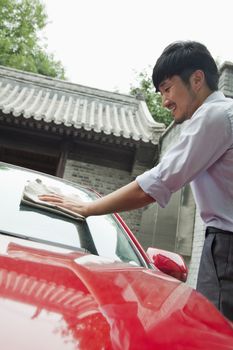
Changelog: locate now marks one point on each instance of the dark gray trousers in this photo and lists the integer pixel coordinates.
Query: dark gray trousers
(215, 276)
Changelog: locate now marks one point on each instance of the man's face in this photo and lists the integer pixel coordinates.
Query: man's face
(180, 98)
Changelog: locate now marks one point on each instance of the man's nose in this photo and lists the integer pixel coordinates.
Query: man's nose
(165, 102)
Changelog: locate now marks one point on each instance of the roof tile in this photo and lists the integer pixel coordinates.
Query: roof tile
(67, 104)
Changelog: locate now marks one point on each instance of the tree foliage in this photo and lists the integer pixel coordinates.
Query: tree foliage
(153, 99)
(21, 22)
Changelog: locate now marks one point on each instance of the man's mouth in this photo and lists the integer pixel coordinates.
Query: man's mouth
(172, 108)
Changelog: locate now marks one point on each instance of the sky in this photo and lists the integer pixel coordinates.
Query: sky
(105, 43)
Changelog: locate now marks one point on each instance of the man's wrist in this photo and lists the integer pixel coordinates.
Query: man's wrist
(85, 210)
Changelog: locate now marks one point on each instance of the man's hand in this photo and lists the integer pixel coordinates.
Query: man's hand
(76, 205)
(125, 198)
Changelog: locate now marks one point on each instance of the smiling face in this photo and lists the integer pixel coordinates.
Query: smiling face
(183, 99)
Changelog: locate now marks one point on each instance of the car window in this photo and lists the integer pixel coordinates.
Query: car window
(100, 235)
(110, 240)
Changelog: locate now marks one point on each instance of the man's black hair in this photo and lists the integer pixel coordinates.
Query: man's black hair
(182, 58)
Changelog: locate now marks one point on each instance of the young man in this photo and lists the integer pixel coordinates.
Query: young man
(187, 77)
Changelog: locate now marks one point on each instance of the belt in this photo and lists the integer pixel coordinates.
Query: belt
(214, 230)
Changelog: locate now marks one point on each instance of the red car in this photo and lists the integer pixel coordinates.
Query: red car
(67, 283)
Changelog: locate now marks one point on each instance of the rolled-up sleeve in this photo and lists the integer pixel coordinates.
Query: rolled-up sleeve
(203, 140)
(151, 184)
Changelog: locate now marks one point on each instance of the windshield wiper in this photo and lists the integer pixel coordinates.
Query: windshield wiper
(43, 241)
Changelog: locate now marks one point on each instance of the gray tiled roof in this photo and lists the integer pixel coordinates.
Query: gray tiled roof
(75, 106)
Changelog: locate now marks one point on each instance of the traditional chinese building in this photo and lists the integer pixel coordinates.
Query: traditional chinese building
(97, 138)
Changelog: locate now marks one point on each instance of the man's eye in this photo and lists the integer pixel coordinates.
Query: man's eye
(167, 89)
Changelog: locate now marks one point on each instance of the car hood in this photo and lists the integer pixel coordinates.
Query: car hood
(76, 301)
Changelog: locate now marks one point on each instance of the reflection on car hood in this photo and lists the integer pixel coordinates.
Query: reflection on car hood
(75, 301)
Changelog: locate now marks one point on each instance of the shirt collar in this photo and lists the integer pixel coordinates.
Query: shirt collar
(216, 95)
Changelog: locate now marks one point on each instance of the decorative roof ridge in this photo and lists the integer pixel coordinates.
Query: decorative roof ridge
(152, 123)
(64, 85)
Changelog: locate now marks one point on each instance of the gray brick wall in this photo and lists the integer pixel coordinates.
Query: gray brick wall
(105, 180)
(198, 240)
(170, 137)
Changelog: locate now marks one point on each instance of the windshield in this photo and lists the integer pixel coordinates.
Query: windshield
(100, 235)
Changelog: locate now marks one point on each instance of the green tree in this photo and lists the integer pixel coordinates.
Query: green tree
(21, 22)
(153, 99)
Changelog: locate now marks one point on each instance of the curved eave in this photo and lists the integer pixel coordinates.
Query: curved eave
(104, 113)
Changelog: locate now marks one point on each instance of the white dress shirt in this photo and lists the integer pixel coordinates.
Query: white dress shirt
(202, 157)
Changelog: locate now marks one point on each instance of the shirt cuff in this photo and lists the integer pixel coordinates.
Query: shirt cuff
(154, 187)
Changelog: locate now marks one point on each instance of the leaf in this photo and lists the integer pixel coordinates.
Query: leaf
(152, 98)
(20, 45)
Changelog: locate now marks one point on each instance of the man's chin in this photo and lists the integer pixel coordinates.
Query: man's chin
(179, 119)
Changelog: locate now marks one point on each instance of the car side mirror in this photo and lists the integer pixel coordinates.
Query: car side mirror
(168, 262)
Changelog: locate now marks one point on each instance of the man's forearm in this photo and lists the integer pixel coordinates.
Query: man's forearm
(126, 198)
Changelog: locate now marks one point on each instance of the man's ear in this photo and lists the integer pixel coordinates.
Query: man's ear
(197, 79)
